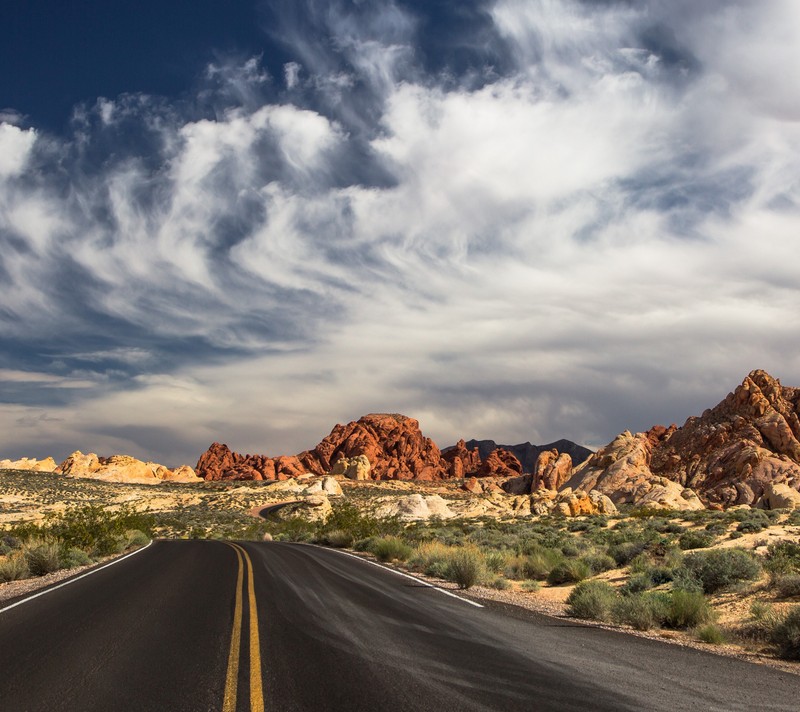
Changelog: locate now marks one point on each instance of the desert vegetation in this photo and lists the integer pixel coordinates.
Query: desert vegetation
(77, 536)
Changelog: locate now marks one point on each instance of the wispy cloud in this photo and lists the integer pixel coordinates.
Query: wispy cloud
(592, 226)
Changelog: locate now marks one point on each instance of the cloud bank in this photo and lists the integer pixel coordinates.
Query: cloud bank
(553, 219)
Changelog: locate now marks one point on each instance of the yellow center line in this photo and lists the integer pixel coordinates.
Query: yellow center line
(256, 684)
(231, 679)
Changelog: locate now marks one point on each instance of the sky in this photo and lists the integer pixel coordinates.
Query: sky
(249, 221)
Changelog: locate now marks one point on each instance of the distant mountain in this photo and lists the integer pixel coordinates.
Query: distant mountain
(527, 453)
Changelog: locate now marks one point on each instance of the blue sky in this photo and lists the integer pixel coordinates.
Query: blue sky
(511, 220)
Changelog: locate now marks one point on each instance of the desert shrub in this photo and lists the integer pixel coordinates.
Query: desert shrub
(717, 568)
(495, 561)
(640, 564)
(95, 529)
(687, 609)
(783, 557)
(591, 600)
(569, 571)
(72, 557)
(751, 520)
(348, 517)
(716, 528)
(530, 586)
(794, 518)
(390, 548)
(786, 635)
(338, 538)
(11, 542)
(14, 568)
(570, 549)
(711, 633)
(787, 585)
(430, 557)
(466, 567)
(598, 563)
(539, 563)
(624, 552)
(638, 610)
(636, 584)
(43, 557)
(136, 537)
(694, 539)
(500, 583)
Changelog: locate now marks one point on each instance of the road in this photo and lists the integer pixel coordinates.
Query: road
(205, 625)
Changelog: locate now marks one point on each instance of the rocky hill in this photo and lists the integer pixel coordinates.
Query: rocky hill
(393, 444)
(528, 454)
(745, 450)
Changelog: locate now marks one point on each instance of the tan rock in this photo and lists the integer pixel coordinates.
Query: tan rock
(414, 507)
(551, 470)
(327, 485)
(29, 463)
(779, 495)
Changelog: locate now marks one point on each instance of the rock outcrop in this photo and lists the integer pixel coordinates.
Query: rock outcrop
(463, 462)
(729, 455)
(528, 454)
(122, 468)
(29, 463)
(499, 463)
(379, 446)
(551, 470)
(414, 507)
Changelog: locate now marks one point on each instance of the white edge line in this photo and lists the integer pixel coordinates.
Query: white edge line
(72, 580)
(394, 571)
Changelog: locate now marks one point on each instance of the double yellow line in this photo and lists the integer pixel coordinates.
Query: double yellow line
(232, 678)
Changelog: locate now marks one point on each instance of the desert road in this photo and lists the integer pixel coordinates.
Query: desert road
(206, 625)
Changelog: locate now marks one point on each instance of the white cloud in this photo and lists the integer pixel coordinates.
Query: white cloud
(15, 148)
(603, 237)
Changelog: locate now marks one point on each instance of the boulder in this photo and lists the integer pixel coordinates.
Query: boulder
(414, 507)
(551, 470)
(327, 485)
(354, 468)
(779, 495)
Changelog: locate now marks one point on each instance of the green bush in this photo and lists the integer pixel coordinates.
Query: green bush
(786, 635)
(711, 633)
(530, 586)
(540, 562)
(14, 568)
(783, 557)
(787, 585)
(390, 548)
(569, 571)
(466, 567)
(495, 561)
(591, 600)
(348, 517)
(636, 584)
(624, 552)
(694, 539)
(136, 538)
(687, 609)
(338, 538)
(718, 568)
(598, 563)
(43, 557)
(500, 583)
(641, 611)
(72, 557)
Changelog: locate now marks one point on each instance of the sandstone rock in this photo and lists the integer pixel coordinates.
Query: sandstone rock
(575, 504)
(122, 468)
(499, 463)
(780, 496)
(666, 494)
(354, 468)
(601, 503)
(327, 485)
(551, 470)
(463, 462)
(29, 463)
(472, 485)
(316, 508)
(414, 507)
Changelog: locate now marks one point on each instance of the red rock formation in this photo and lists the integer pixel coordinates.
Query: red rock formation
(733, 451)
(394, 445)
(500, 463)
(729, 455)
(463, 462)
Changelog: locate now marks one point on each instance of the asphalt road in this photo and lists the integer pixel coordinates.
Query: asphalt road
(203, 625)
